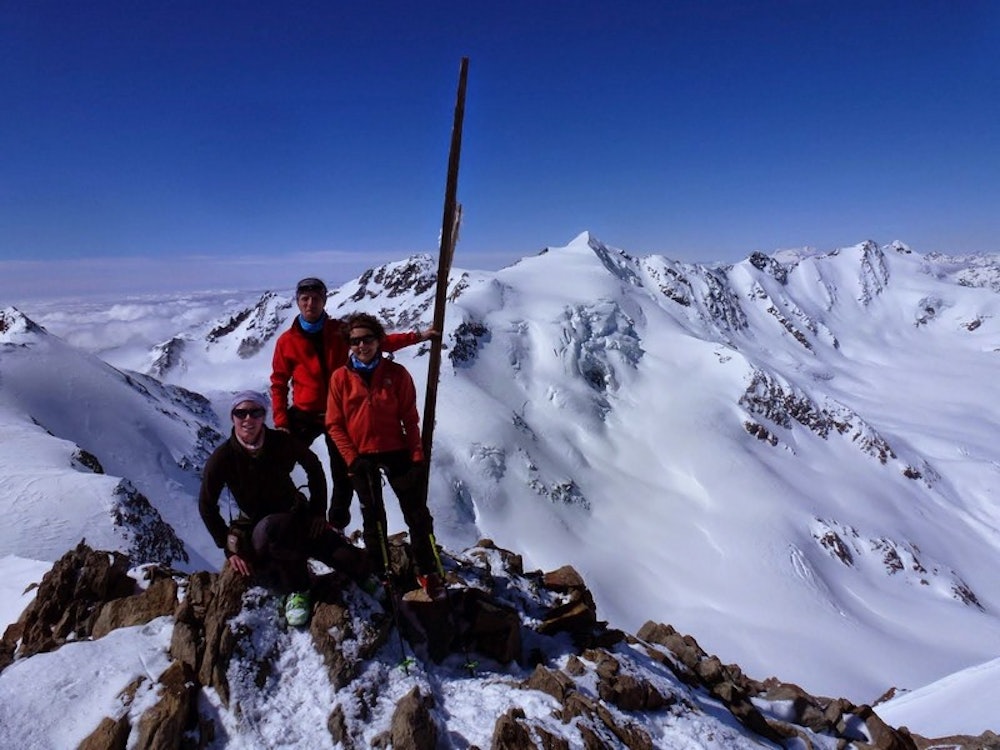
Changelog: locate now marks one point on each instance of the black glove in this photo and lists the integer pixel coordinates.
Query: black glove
(361, 467)
(339, 518)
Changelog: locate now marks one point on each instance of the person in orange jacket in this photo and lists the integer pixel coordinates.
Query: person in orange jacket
(371, 416)
(304, 358)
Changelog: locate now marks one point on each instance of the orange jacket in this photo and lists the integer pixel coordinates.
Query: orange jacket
(373, 417)
(297, 362)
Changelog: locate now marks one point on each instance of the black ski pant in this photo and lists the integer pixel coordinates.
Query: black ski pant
(282, 548)
(307, 426)
(407, 481)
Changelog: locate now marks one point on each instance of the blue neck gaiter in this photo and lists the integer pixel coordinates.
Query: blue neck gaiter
(312, 327)
(360, 366)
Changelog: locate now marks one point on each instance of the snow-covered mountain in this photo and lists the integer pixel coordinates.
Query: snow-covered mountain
(89, 451)
(792, 458)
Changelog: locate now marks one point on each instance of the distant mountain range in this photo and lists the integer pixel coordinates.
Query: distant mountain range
(793, 458)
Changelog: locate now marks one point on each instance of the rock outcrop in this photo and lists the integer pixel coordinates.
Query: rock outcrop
(602, 681)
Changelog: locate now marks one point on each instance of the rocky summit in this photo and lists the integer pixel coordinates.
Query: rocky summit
(399, 675)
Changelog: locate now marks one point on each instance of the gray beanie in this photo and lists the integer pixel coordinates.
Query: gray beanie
(255, 397)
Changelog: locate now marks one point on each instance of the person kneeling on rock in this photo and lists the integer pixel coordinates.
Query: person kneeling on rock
(277, 529)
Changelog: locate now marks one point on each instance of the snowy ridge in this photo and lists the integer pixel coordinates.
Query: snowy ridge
(242, 334)
(93, 452)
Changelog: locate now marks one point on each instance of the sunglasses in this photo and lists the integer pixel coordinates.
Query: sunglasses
(244, 413)
(310, 285)
(358, 340)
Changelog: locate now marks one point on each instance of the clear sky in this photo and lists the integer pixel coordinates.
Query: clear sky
(193, 143)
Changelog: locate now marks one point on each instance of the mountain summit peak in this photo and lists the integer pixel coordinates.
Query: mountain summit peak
(14, 323)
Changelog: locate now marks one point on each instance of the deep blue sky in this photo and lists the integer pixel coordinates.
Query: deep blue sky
(318, 132)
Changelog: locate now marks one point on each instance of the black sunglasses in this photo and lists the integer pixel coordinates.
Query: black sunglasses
(244, 413)
(310, 285)
(357, 340)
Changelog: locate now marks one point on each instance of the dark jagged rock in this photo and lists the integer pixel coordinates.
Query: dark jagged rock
(576, 614)
(413, 727)
(494, 629)
(412, 277)
(550, 681)
(167, 357)
(602, 690)
(330, 616)
(217, 639)
(836, 717)
(466, 342)
(672, 283)
(336, 725)
(148, 536)
(162, 726)
(624, 690)
(158, 599)
(770, 266)
(874, 272)
(768, 397)
(86, 460)
(69, 600)
(509, 733)
(254, 326)
(111, 734)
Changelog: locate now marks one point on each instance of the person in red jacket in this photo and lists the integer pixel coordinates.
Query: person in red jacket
(304, 358)
(371, 415)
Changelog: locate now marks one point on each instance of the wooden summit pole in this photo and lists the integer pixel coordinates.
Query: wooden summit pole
(449, 236)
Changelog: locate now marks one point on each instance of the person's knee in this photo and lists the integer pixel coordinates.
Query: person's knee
(263, 533)
(277, 537)
(339, 516)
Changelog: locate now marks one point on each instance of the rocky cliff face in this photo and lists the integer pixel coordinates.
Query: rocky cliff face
(241, 334)
(535, 634)
(251, 327)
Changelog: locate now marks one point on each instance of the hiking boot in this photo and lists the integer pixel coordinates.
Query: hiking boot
(298, 609)
(432, 585)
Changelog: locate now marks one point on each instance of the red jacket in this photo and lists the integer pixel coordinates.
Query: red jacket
(296, 361)
(373, 417)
